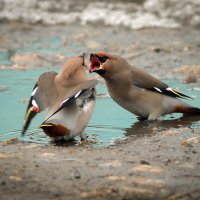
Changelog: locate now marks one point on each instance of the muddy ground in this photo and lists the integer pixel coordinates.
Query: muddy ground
(151, 163)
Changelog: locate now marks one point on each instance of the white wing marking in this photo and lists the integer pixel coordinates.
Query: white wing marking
(64, 101)
(34, 91)
(35, 104)
(158, 89)
(77, 94)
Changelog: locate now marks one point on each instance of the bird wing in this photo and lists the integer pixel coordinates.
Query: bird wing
(84, 89)
(144, 80)
(38, 101)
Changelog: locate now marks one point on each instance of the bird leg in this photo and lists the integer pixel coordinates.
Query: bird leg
(155, 115)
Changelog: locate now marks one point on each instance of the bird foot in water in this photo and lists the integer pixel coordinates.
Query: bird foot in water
(142, 118)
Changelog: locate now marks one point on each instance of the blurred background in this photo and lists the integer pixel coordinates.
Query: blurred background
(129, 13)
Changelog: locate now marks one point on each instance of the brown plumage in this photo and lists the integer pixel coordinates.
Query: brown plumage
(69, 97)
(55, 131)
(136, 90)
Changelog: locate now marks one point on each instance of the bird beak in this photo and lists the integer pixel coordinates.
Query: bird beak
(30, 114)
(96, 65)
(83, 56)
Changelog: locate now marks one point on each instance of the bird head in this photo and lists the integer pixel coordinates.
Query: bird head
(73, 71)
(105, 64)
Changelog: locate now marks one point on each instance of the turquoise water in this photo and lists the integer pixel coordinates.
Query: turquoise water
(109, 121)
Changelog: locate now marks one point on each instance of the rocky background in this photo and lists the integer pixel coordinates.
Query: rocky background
(133, 14)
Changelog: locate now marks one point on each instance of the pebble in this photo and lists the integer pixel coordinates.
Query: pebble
(187, 48)
(3, 88)
(24, 101)
(3, 183)
(190, 79)
(11, 141)
(189, 69)
(143, 162)
(159, 49)
(77, 174)
(190, 141)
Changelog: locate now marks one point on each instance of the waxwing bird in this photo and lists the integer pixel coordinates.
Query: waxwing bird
(68, 96)
(137, 91)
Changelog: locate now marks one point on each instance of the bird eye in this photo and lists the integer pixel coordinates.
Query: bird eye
(103, 59)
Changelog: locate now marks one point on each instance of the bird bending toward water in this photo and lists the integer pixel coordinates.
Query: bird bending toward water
(136, 90)
(68, 96)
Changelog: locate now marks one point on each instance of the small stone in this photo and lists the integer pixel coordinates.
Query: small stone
(187, 48)
(23, 101)
(189, 69)
(3, 88)
(177, 162)
(159, 49)
(77, 174)
(190, 79)
(11, 141)
(186, 144)
(84, 194)
(3, 182)
(143, 162)
(167, 161)
(193, 140)
(57, 195)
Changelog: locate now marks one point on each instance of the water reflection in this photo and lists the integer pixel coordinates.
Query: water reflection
(148, 128)
(100, 135)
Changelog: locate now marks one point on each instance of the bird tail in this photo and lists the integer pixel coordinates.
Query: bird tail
(187, 110)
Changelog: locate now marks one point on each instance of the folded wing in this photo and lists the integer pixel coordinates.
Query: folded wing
(143, 80)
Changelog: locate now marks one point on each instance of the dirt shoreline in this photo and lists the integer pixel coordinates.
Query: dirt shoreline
(163, 166)
(157, 164)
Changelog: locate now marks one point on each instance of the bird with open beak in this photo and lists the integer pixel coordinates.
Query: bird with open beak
(69, 97)
(136, 90)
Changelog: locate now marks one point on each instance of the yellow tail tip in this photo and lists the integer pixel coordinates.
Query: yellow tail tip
(45, 125)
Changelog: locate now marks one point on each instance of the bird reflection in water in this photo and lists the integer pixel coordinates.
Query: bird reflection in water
(149, 128)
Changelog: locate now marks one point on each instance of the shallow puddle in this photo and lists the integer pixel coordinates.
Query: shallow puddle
(109, 121)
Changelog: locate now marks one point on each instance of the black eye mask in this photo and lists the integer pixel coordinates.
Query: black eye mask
(102, 59)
